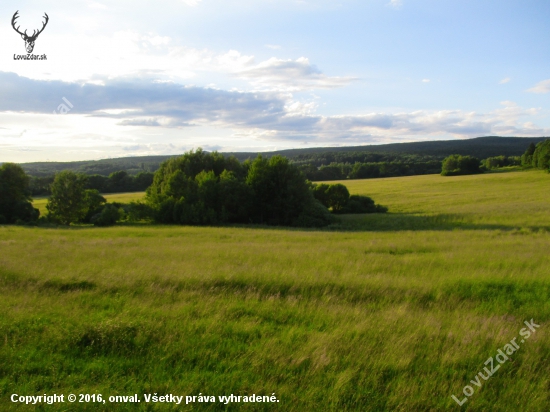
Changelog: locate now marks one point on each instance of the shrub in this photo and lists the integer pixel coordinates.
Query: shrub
(362, 204)
(108, 216)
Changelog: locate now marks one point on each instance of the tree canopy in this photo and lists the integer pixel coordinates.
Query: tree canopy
(541, 155)
(208, 188)
(15, 195)
(460, 165)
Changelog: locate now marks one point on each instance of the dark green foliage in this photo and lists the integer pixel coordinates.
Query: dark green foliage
(541, 155)
(201, 188)
(108, 216)
(501, 161)
(237, 198)
(362, 204)
(333, 197)
(455, 165)
(94, 202)
(137, 211)
(15, 195)
(314, 215)
(67, 203)
(373, 165)
(117, 182)
(337, 198)
(527, 157)
(281, 193)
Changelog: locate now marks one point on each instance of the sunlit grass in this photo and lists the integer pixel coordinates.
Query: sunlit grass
(391, 312)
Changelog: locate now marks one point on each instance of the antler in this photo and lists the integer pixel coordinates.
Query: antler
(43, 25)
(15, 17)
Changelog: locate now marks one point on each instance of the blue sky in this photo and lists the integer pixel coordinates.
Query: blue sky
(150, 77)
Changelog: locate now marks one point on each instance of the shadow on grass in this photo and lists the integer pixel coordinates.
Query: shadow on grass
(390, 222)
(376, 222)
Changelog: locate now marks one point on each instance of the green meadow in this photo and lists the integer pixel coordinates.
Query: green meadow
(393, 312)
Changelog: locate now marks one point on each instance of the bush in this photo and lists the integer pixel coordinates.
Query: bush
(108, 216)
(455, 165)
(315, 215)
(362, 204)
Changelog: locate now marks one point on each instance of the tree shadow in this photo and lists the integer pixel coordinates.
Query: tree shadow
(374, 222)
(391, 222)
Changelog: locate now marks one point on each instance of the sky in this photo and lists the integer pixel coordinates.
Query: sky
(134, 78)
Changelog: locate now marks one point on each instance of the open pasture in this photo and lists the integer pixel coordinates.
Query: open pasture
(392, 312)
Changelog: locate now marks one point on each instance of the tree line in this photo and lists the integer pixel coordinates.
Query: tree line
(117, 182)
(197, 188)
(536, 156)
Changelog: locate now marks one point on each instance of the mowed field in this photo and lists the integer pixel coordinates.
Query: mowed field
(392, 312)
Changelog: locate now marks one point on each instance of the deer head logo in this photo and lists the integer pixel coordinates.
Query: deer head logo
(29, 40)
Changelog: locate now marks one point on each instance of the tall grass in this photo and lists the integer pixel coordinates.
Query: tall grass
(394, 312)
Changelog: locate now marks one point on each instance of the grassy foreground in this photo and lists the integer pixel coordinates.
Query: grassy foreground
(384, 313)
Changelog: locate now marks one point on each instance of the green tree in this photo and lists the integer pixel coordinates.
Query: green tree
(108, 216)
(94, 203)
(15, 195)
(338, 196)
(67, 204)
(455, 165)
(280, 190)
(527, 157)
(541, 155)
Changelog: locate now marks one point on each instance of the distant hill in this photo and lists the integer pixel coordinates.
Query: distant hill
(481, 147)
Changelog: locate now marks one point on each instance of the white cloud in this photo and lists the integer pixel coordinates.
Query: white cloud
(192, 3)
(396, 4)
(273, 46)
(425, 80)
(541, 87)
(505, 80)
(95, 5)
(290, 75)
(137, 104)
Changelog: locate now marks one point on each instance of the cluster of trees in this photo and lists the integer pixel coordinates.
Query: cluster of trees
(70, 202)
(208, 188)
(455, 165)
(336, 197)
(537, 156)
(117, 182)
(15, 195)
(498, 162)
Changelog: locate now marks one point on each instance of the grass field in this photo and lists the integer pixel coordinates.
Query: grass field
(391, 312)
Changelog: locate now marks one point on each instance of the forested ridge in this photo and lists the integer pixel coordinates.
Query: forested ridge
(416, 152)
